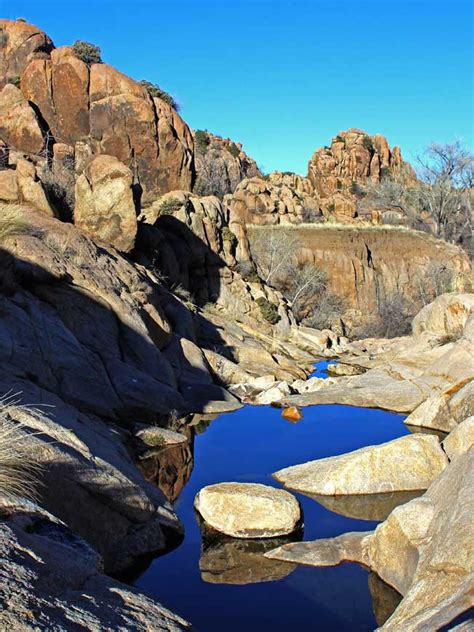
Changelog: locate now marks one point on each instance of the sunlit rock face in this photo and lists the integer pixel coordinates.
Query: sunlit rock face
(408, 463)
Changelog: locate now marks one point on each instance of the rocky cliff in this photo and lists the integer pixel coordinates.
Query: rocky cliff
(221, 164)
(68, 110)
(367, 266)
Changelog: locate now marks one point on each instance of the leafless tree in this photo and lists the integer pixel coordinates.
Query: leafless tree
(277, 255)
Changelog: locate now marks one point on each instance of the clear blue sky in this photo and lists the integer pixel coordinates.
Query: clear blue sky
(285, 76)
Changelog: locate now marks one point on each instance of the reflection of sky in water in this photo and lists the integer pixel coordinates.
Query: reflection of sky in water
(249, 445)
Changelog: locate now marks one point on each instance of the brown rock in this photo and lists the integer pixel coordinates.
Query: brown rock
(30, 189)
(19, 126)
(20, 43)
(292, 413)
(104, 202)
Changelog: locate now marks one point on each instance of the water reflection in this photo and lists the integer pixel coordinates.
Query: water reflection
(384, 598)
(170, 468)
(227, 560)
(366, 506)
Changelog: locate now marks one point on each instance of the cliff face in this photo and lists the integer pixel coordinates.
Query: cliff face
(366, 267)
(221, 164)
(74, 110)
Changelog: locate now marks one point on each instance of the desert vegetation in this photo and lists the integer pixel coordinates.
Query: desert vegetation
(276, 253)
(18, 466)
(155, 91)
(441, 201)
(87, 52)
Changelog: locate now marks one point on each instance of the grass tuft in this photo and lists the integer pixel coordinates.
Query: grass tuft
(19, 468)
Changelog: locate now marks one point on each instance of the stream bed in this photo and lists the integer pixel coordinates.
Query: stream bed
(226, 584)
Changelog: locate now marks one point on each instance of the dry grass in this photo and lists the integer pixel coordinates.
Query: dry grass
(19, 468)
(11, 222)
(337, 226)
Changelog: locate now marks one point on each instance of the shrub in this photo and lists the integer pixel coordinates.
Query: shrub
(384, 172)
(185, 295)
(338, 185)
(86, 52)
(233, 150)
(59, 185)
(331, 207)
(15, 81)
(11, 222)
(3, 38)
(358, 160)
(268, 310)
(20, 20)
(155, 91)
(368, 143)
(169, 206)
(202, 140)
(310, 215)
(228, 235)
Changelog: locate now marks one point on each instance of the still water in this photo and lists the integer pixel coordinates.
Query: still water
(227, 584)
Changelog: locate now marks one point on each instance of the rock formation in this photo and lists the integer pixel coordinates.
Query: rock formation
(405, 464)
(353, 157)
(92, 110)
(221, 164)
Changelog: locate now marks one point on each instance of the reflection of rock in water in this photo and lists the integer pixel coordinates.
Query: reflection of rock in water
(233, 561)
(384, 598)
(430, 431)
(170, 468)
(366, 506)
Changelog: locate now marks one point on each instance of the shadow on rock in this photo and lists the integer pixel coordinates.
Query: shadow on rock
(385, 599)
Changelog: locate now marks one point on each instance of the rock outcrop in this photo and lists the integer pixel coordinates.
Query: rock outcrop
(423, 550)
(368, 267)
(221, 164)
(92, 109)
(405, 464)
(104, 208)
(279, 198)
(248, 510)
(353, 157)
(52, 580)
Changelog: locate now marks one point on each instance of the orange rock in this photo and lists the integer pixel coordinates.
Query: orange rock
(292, 413)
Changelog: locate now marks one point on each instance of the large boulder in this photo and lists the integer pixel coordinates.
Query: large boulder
(20, 43)
(248, 510)
(104, 202)
(404, 464)
(423, 550)
(98, 110)
(53, 580)
(19, 126)
(461, 439)
(445, 316)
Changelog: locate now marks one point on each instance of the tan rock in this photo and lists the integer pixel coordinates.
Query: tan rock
(104, 202)
(248, 510)
(461, 439)
(424, 550)
(8, 186)
(20, 43)
(343, 369)
(19, 126)
(273, 394)
(445, 316)
(404, 464)
(30, 189)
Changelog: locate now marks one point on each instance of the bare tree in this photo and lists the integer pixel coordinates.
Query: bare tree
(277, 255)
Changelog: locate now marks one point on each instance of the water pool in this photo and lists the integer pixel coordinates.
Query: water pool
(248, 445)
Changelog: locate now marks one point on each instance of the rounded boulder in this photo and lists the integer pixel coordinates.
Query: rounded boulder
(248, 510)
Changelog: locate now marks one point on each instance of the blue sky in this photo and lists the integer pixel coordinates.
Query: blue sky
(284, 76)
